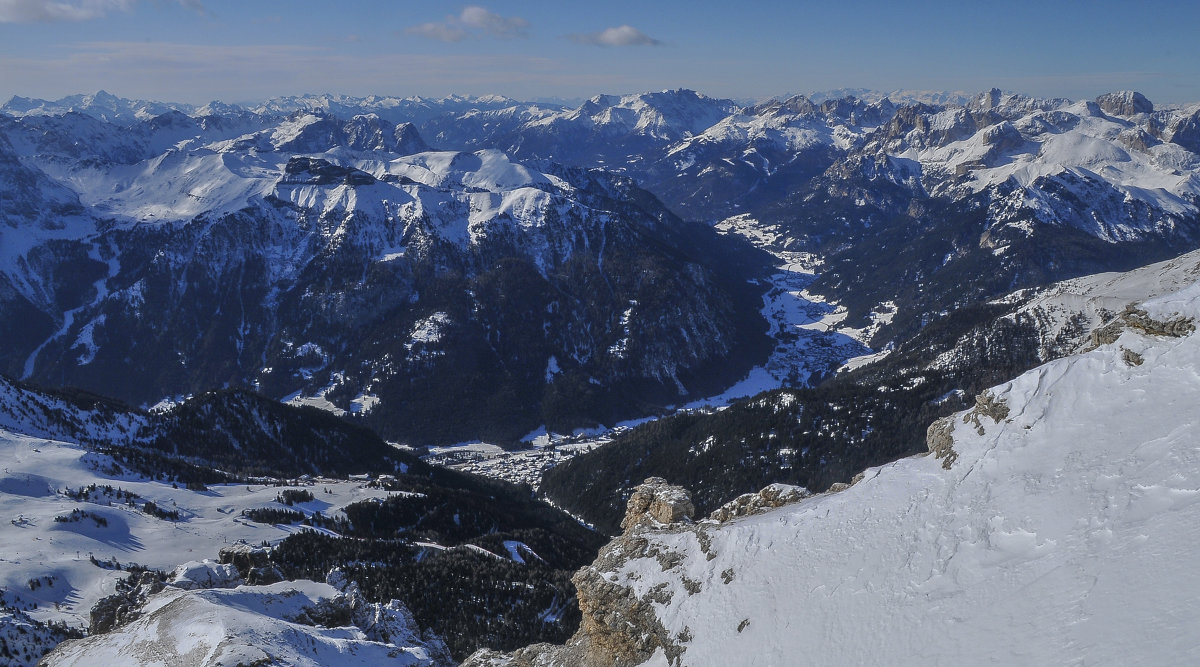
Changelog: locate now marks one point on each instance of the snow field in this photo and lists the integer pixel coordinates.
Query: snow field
(1064, 533)
(35, 546)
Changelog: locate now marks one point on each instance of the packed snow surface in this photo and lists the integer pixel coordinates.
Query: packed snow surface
(1065, 533)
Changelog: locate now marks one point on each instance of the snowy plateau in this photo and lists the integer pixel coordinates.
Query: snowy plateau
(330, 380)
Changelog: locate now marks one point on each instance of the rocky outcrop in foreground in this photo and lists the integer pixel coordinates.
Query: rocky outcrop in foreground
(619, 627)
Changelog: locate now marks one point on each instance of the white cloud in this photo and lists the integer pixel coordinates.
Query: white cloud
(29, 11)
(492, 23)
(42, 11)
(624, 35)
(443, 32)
(474, 20)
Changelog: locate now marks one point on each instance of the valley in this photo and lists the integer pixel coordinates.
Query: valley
(387, 377)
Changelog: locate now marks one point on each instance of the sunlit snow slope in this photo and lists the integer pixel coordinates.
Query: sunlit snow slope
(249, 625)
(39, 473)
(1064, 533)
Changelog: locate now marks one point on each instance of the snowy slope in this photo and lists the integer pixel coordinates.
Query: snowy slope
(1064, 533)
(42, 415)
(1073, 308)
(1055, 524)
(252, 625)
(36, 474)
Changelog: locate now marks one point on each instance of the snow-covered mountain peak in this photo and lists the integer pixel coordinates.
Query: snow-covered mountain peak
(488, 169)
(670, 114)
(393, 109)
(1063, 159)
(1124, 103)
(100, 104)
(219, 108)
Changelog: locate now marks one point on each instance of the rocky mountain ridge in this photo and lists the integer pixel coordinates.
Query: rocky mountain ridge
(318, 251)
(284, 259)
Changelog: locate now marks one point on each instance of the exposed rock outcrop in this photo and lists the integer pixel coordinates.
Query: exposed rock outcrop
(1124, 103)
(1140, 321)
(1135, 138)
(655, 503)
(1186, 132)
(770, 497)
(940, 441)
(205, 574)
(986, 405)
(125, 605)
(619, 627)
(252, 563)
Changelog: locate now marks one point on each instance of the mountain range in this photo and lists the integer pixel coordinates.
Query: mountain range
(280, 247)
(782, 303)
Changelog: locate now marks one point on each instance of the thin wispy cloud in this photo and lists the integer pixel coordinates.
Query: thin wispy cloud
(198, 73)
(31, 11)
(474, 21)
(49, 11)
(622, 35)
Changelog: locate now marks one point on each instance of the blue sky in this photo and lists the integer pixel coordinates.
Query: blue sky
(245, 50)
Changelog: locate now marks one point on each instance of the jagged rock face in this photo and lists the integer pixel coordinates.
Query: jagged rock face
(253, 563)
(940, 441)
(769, 497)
(619, 627)
(1124, 103)
(655, 502)
(1137, 139)
(1186, 132)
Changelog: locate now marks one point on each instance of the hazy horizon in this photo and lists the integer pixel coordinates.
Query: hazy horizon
(196, 51)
